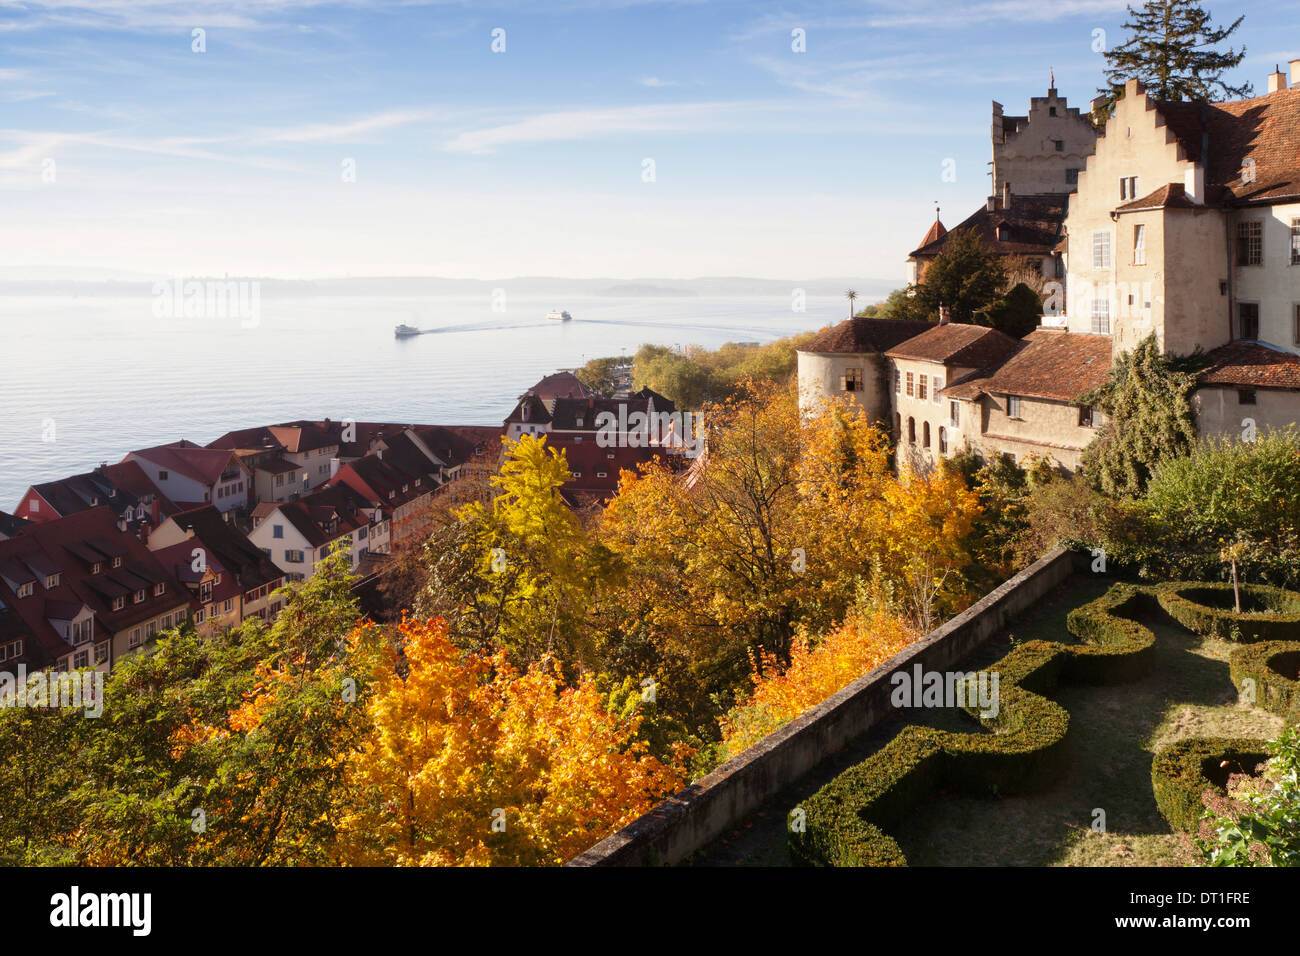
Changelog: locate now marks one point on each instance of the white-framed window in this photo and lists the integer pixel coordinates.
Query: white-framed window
(293, 555)
(1139, 245)
(26, 589)
(954, 413)
(228, 606)
(134, 640)
(52, 580)
(160, 589)
(119, 602)
(898, 381)
(1101, 315)
(1295, 242)
(920, 390)
(80, 659)
(101, 652)
(935, 386)
(1128, 188)
(852, 380)
(1013, 406)
(1250, 243)
(117, 562)
(97, 567)
(34, 506)
(911, 390)
(83, 631)
(1101, 249)
(138, 597)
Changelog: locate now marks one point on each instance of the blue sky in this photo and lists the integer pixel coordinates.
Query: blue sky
(767, 162)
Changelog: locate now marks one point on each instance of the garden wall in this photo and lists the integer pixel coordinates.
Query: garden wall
(709, 807)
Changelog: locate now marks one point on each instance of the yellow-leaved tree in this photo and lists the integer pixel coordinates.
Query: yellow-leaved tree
(473, 762)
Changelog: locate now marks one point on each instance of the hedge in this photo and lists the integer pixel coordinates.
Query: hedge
(1186, 603)
(1183, 771)
(1268, 663)
(843, 821)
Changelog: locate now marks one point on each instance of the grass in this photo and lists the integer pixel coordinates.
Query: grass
(1114, 733)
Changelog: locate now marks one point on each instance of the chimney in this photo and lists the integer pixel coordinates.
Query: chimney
(945, 315)
(1006, 195)
(1277, 80)
(1295, 72)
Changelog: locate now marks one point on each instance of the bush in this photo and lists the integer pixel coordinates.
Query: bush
(1183, 771)
(844, 820)
(1273, 666)
(1206, 609)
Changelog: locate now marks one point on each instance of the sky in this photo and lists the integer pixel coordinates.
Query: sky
(584, 138)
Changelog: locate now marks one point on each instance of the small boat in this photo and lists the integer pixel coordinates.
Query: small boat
(558, 315)
(405, 331)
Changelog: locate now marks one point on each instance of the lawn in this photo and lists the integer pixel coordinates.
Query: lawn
(1114, 732)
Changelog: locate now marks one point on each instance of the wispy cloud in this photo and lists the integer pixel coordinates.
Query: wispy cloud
(350, 130)
(588, 123)
(655, 82)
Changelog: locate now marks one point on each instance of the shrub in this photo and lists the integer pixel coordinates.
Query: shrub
(844, 820)
(1272, 665)
(1185, 770)
(1207, 609)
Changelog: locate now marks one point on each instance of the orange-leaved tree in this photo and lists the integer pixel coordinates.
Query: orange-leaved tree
(869, 636)
(474, 762)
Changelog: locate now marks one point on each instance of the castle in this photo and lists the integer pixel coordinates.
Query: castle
(1176, 219)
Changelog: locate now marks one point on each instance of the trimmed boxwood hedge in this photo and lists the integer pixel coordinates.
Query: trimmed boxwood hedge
(1186, 603)
(843, 821)
(1183, 771)
(1268, 663)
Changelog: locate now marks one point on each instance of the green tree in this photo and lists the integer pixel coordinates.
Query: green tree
(966, 277)
(599, 374)
(1172, 48)
(676, 376)
(1148, 403)
(1018, 313)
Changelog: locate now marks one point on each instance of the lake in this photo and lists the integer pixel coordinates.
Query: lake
(88, 379)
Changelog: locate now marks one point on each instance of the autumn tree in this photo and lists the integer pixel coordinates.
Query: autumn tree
(1174, 49)
(473, 762)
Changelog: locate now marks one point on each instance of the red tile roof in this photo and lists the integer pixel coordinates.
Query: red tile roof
(204, 465)
(1265, 129)
(1252, 365)
(959, 344)
(1169, 196)
(71, 546)
(859, 335)
(1052, 364)
(561, 385)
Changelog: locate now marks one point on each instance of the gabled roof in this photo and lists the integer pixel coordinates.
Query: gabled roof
(959, 344)
(1033, 226)
(865, 336)
(231, 546)
(1051, 363)
(204, 465)
(934, 234)
(1252, 365)
(1169, 196)
(538, 413)
(561, 385)
(1265, 129)
(60, 546)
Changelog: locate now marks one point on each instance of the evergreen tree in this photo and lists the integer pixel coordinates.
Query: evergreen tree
(966, 277)
(1148, 403)
(1173, 49)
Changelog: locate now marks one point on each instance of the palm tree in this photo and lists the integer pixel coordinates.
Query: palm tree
(851, 295)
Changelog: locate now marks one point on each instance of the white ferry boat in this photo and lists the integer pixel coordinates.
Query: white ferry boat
(558, 315)
(405, 331)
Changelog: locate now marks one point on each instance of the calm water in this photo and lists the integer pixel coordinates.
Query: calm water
(101, 376)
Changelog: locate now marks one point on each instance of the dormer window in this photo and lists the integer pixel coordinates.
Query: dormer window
(1004, 232)
(138, 597)
(117, 562)
(25, 590)
(159, 589)
(52, 580)
(162, 476)
(97, 567)
(119, 602)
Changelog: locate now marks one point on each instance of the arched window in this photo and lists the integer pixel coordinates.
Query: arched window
(911, 431)
(925, 435)
(943, 440)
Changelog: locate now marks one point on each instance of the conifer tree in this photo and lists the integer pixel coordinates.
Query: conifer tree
(1172, 48)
